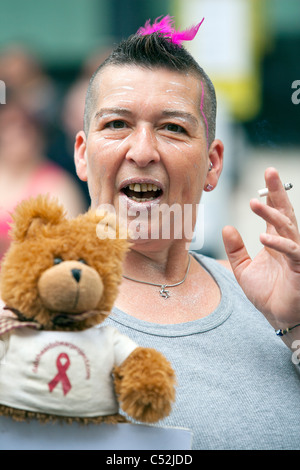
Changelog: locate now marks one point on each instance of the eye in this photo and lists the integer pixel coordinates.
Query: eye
(82, 261)
(174, 128)
(57, 260)
(117, 124)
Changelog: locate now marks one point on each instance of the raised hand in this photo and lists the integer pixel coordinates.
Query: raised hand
(271, 280)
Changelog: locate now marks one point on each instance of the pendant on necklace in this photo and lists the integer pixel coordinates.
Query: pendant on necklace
(164, 292)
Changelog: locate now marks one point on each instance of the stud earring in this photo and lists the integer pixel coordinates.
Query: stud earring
(209, 187)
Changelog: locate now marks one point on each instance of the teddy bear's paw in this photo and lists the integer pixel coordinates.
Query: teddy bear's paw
(145, 384)
(147, 406)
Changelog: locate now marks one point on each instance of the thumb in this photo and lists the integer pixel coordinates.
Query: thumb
(236, 251)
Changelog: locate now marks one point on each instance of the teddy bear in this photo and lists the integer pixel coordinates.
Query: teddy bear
(59, 281)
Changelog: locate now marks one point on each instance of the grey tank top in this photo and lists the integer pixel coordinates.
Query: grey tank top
(237, 386)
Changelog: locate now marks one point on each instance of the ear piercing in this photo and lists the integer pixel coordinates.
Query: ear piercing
(209, 187)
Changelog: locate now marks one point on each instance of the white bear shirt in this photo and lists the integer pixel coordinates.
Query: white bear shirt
(63, 373)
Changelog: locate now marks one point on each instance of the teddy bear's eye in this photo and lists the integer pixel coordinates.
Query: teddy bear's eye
(57, 260)
(82, 261)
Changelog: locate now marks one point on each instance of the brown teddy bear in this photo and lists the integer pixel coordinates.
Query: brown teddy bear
(59, 281)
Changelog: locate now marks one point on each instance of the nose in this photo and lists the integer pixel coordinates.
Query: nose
(76, 273)
(143, 147)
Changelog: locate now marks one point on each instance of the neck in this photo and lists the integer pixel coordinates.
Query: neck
(163, 267)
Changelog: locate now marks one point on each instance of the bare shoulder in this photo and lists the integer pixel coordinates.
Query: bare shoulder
(225, 263)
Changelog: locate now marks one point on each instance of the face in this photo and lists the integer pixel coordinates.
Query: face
(146, 147)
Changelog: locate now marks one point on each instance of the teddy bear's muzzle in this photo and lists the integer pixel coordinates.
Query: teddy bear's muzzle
(70, 287)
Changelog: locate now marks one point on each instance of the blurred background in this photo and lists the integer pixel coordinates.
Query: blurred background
(48, 51)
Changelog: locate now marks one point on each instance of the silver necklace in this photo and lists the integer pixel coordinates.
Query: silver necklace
(163, 287)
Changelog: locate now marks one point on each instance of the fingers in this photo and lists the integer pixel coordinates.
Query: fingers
(285, 246)
(278, 197)
(284, 225)
(282, 229)
(235, 250)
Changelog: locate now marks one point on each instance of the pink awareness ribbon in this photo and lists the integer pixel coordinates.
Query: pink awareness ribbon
(61, 376)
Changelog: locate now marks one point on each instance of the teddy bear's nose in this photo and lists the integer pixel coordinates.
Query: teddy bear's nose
(76, 273)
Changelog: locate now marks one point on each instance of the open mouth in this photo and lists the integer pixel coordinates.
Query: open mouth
(142, 192)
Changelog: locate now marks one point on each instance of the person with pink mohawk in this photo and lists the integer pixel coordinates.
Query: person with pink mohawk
(148, 150)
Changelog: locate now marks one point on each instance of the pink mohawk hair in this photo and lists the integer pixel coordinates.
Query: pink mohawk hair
(165, 27)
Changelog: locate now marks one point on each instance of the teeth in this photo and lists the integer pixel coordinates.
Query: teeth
(143, 187)
(138, 199)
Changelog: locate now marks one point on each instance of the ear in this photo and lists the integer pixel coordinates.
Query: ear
(32, 213)
(80, 156)
(215, 161)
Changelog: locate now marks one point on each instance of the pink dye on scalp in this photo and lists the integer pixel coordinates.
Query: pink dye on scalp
(165, 27)
(202, 112)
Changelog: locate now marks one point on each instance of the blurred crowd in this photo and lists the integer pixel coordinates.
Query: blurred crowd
(38, 125)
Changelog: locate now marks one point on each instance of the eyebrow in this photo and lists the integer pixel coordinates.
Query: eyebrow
(181, 114)
(110, 111)
(166, 113)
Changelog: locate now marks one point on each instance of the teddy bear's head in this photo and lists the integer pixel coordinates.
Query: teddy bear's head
(62, 273)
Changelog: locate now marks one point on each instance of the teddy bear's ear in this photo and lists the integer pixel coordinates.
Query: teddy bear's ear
(32, 213)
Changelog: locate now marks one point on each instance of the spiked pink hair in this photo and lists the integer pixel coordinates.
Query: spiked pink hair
(165, 27)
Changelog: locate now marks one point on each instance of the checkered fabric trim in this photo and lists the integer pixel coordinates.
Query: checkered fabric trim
(8, 323)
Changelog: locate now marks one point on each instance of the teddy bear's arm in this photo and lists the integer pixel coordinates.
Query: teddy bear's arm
(145, 385)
